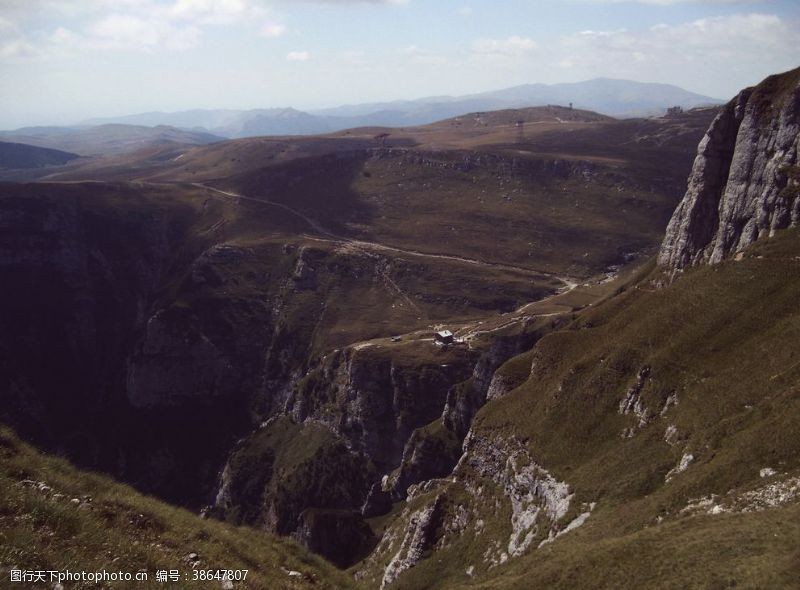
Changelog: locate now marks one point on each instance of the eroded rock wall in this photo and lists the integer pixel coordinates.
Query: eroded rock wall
(741, 184)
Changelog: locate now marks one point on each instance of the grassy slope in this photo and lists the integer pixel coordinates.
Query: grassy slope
(122, 530)
(720, 337)
(561, 222)
(724, 339)
(576, 216)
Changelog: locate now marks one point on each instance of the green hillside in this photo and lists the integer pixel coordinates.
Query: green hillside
(706, 367)
(55, 517)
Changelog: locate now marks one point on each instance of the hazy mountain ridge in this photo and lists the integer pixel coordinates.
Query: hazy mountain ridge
(105, 139)
(605, 95)
(618, 98)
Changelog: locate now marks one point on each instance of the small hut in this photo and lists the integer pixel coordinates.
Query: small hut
(443, 337)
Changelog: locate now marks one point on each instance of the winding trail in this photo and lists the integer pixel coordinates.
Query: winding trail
(468, 331)
(331, 237)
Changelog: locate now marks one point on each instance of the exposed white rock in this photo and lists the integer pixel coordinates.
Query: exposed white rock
(626, 406)
(632, 403)
(671, 435)
(498, 387)
(736, 188)
(536, 497)
(458, 522)
(416, 541)
(423, 487)
(705, 504)
(671, 401)
(767, 472)
(686, 460)
(771, 495)
(573, 524)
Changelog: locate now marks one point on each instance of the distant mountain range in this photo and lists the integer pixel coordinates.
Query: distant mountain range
(91, 140)
(617, 98)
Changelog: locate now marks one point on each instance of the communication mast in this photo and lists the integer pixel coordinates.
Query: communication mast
(520, 131)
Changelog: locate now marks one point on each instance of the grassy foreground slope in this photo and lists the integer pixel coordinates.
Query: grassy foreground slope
(672, 412)
(55, 517)
(724, 340)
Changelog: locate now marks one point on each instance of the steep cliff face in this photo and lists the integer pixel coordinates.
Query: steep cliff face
(434, 450)
(464, 401)
(743, 182)
(375, 398)
(80, 266)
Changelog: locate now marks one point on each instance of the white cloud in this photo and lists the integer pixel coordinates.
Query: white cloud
(128, 32)
(215, 12)
(17, 49)
(704, 54)
(133, 25)
(510, 46)
(354, 57)
(298, 56)
(666, 2)
(747, 37)
(13, 43)
(272, 30)
(422, 56)
(346, 2)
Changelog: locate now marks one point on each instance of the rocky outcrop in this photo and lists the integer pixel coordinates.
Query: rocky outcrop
(429, 453)
(498, 500)
(741, 186)
(500, 165)
(538, 500)
(375, 400)
(304, 275)
(433, 451)
(418, 538)
(173, 366)
(378, 502)
(299, 480)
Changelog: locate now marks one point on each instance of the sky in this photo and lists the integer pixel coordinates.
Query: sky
(62, 61)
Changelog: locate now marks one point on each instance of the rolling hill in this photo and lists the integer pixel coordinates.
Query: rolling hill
(21, 156)
(565, 200)
(105, 139)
